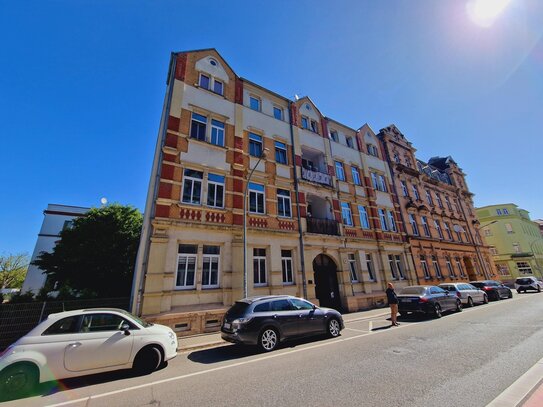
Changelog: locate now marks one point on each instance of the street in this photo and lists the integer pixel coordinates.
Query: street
(465, 359)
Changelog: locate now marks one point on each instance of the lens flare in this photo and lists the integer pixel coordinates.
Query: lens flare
(485, 12)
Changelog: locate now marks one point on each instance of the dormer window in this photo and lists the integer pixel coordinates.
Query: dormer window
(305, 122)
(314, 127)
(209, 83)
(254, 103)
(350, 142)
(372, 150)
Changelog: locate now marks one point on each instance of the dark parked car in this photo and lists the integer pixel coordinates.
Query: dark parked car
(268, 320)
(427, 299)
(494, 289)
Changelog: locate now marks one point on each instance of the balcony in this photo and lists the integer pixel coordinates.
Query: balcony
(316, 176)
(322, 226)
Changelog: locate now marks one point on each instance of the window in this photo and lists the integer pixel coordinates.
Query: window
(186, 266)
(349, 141)
(487, 232)
(437, 269)
(255, 145)
(67, 325)
(493, 250)
(305, 122)
(198, 127)
(448, 203)
(356, 176)
(429, 198)
(192, 186)
(516, 247)
(374, 180)
(300, 304)
(204, 81)
(283, 203)
(217, 87)
(280, 152)
(456, 207)
(364, 221)
(217, 133)
(102, 322)
(215, 190)
(503, 269)
(396, 158)
(392, 265)
(459, 266)
(499, 211)
(281, 305)
(382, 219)
(424, 266)
(346, 214)
(286, 264)
(352, 268)
(505, 211)
(458, 229)
(314, 127)
(339, 171)
(210, 271)
(391, 221)
(210, 83)
(334, 136)
(448, 230)
(404, 188)
(399, 267)
(259, 267)
(439, 201)
(278, 113)
(438, 228)
(369, 266)
(382, 184)
(509, 228)
(425, 226)
(413, 224)
(68, 224)
(449, 267)
(256, 198)
(254, 103)
(372, 150)
(415, 192)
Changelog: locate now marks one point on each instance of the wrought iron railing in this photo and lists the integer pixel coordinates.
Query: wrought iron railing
(322, 226)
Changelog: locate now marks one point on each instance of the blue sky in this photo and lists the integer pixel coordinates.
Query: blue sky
(82, 85)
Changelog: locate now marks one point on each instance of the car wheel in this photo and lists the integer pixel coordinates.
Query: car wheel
(538, 289)
(18, 380)
(519, 291)
(459, 306)
(148, 360)
(485, 299)
(437, 311)
(334, 328)
(268, 339)
(497, 296)
(470, 302)
(403, 314)
(510, 294)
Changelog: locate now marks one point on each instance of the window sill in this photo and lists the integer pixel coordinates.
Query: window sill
(210, 91)
(208, 143)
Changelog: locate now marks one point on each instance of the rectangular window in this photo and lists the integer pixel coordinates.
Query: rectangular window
(210, 271)
(340, 173)
(286, 264)
(516, 247)
(383, 219)
(217, 133)
(509, 228)
(429, 198)
(198, 127)
(305, 122)
(215, 190)
(404, 188)
(283, 203)
(372, 150)
(424, 266)
(505, 211)
(278, 113)
(218, 87)
(356, 176)
(438, 228)
(259, 267)
(458, 229)
(382, 184)
(498, 212)
(448, 202)
(186, 266)
(413, 224)
(346, 214)
(503, 269)
(350, 142)
(448, 230)
(364, 221)
(437, 269)
(439, 201)
(391, 221)
(459, 266)
(256, 198)
(352, 268)
(415, 192)
(374, 180)
(280, 152)
(254, 103)
(314, 127)
(192, 186)
(204, 81)
(450, 267)
(369, 266)
(334, 136)
(255, 145)
(399, 266)
(392, 264)
(425, 226)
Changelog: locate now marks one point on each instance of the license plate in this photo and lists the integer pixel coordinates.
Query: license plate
(227, 325)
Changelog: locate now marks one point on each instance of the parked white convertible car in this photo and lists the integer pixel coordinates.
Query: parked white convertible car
(83, 342)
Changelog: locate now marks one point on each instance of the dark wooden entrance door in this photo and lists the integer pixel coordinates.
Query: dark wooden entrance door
(326, 284)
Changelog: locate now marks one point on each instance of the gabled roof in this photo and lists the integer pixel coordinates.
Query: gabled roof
(207, 49)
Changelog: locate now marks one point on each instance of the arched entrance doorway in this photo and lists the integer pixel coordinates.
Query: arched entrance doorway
(326, 284)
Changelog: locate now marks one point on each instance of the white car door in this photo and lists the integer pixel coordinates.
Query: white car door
(100, 344)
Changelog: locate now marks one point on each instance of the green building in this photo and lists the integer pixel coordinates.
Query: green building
(515, 241)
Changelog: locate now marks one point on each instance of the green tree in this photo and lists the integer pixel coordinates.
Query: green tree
(96, 257)
(13, 268)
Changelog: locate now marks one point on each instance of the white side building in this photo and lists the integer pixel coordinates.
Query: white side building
(57, 218)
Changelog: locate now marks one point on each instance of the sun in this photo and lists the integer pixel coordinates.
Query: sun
(484, 12)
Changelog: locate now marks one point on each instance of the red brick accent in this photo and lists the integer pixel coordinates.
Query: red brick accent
(303, 211)
(294, 114)
(171, 140)
(350, 232)
(301, 197)
(165, 190)
(173, 123)
(181, 67)
(358, 142)
(191, 214)
(335, 204)
(238, 219)
(258, 222)
(298, 160)
(238, 143)
(239, 91)
(170, 157)
(331, 171)
(238, 157)
(285, 225)
(237, 202)
(238, 185)
(238, 173)
(162, 211)
(338, 217)
(167, 171)
(324, 125)
(215, 217)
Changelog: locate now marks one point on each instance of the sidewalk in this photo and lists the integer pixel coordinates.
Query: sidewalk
(193, 342)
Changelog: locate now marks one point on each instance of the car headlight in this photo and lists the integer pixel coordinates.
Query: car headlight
(171, 335)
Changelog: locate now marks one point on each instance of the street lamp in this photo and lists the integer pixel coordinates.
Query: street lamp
(264, 154)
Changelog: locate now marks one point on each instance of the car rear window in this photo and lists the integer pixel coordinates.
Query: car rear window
(476, 284)
(264, 307)
(413, 290)
(238, 309)
(524, 281)
(67, 325)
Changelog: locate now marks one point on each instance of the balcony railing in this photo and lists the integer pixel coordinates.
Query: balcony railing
(316, 176)
(322, 226)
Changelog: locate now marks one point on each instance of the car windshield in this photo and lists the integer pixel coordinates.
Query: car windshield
(140, 321)
(238, 309)
(413, 290)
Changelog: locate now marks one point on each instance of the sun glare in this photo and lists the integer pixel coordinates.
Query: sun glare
(484, 12)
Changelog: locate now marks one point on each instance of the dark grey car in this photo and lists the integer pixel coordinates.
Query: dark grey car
(268, 320)
(427, 299)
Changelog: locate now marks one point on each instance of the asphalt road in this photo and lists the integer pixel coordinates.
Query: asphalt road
(464, 359)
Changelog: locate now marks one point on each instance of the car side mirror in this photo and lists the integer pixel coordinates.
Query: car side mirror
(314, 307)
(126, 329)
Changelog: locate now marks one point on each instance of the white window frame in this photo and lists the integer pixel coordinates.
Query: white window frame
(305, 120)
(374, 182)
(287, 204)
(346, 211)
(425, 269)
(370, 267)
(189, 258)
(260, 260)
(437, 268)
(194, 181)
(459, 267)
(217, 184)
(282, 147)
(212, 82)
(438, 228)
(414, 225)
(258, 100)
(220, 132)
(415, 192)
(382, 183)
(281, 113)
(352, 268)
(285, 261)
(439, 201)
(364, 220)
(383, 219)
(212, 258)
(399, 266)
(391, 221)
(349, 141)
(256, 193)
(448, 230)
(334, 135)
(340, 171)
(392, 265)
(404, 188)
(429, 198)
(356, 175)
(450, 267)
(425, 226)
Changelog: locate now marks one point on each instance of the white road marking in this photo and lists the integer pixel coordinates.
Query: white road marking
(356, 330)
(371, 326)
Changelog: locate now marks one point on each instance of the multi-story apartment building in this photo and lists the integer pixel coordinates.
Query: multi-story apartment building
(515, 241)
(322, 220)
(437, 207)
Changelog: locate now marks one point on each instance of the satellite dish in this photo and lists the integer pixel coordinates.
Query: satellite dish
(103, 201)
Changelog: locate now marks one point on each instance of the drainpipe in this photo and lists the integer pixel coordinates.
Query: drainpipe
(138, 282)
(300, 233)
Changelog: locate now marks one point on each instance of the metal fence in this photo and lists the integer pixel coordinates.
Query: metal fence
(17, 320)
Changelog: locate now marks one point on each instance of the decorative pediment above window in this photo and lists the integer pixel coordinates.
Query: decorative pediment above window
(213, 67)
(423, 208)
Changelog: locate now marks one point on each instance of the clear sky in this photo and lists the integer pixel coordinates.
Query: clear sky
(82, 84)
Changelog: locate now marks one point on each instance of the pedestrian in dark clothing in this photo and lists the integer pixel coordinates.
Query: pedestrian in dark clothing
(393, 303)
